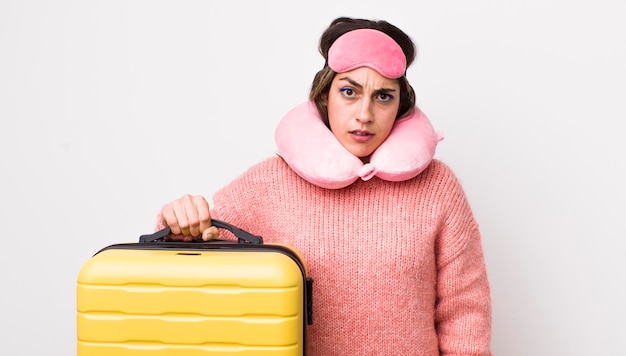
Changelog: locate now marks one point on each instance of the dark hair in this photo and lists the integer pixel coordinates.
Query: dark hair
(323, 79)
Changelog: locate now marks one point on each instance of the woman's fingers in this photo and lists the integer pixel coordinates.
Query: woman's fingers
(189, 215)
(198, 214)
(169, 218)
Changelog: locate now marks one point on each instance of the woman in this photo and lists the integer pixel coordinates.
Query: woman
(386, 230)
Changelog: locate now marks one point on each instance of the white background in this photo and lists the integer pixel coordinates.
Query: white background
(110, 109)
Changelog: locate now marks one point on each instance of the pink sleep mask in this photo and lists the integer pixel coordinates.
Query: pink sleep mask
(315, 154)
(367, 48)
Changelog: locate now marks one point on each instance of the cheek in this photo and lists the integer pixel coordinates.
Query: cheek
(335, 115)
(333, 125)
(387, 122)
(387, 131)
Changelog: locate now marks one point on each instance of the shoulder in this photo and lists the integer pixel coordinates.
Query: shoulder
(442, 184)
(270, 163)
(264, 175)
(439, 167)
(440, 172)
(267, 170)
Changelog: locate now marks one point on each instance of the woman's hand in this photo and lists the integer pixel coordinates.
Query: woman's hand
(189, 216)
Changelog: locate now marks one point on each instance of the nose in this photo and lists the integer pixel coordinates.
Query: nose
(364, 112)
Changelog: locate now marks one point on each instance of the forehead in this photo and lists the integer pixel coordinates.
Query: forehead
(367, 78)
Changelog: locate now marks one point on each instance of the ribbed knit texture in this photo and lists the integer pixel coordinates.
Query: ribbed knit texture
(398, 268)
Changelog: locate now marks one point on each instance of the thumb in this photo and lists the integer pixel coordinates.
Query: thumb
(211, 233)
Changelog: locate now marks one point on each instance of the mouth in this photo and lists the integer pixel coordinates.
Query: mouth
(361, 136)
(363, 133)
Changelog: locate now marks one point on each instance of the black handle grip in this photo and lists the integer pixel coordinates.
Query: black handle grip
(242, 235)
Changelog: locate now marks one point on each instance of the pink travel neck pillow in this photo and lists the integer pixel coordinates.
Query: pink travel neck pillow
(313, 152)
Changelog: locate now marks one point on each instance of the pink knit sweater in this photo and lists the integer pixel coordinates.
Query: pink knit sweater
(398, 267)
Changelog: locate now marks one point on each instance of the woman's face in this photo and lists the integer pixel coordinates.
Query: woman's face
(362, 108)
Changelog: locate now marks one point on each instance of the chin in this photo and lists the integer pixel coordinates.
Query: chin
(362, 153)
(363, 156)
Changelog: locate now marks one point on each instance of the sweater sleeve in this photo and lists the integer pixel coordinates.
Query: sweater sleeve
(463, 309)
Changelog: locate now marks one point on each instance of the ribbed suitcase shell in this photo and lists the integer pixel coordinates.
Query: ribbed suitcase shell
(190, 299)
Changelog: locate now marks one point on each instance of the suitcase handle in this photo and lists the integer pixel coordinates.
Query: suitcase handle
(242, 235)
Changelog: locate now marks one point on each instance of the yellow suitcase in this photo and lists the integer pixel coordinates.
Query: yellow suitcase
(157, 298)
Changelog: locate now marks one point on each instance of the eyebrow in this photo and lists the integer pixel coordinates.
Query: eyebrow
(357, 84)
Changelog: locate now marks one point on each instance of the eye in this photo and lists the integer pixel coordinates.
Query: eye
(384, 97)
(347, 92)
